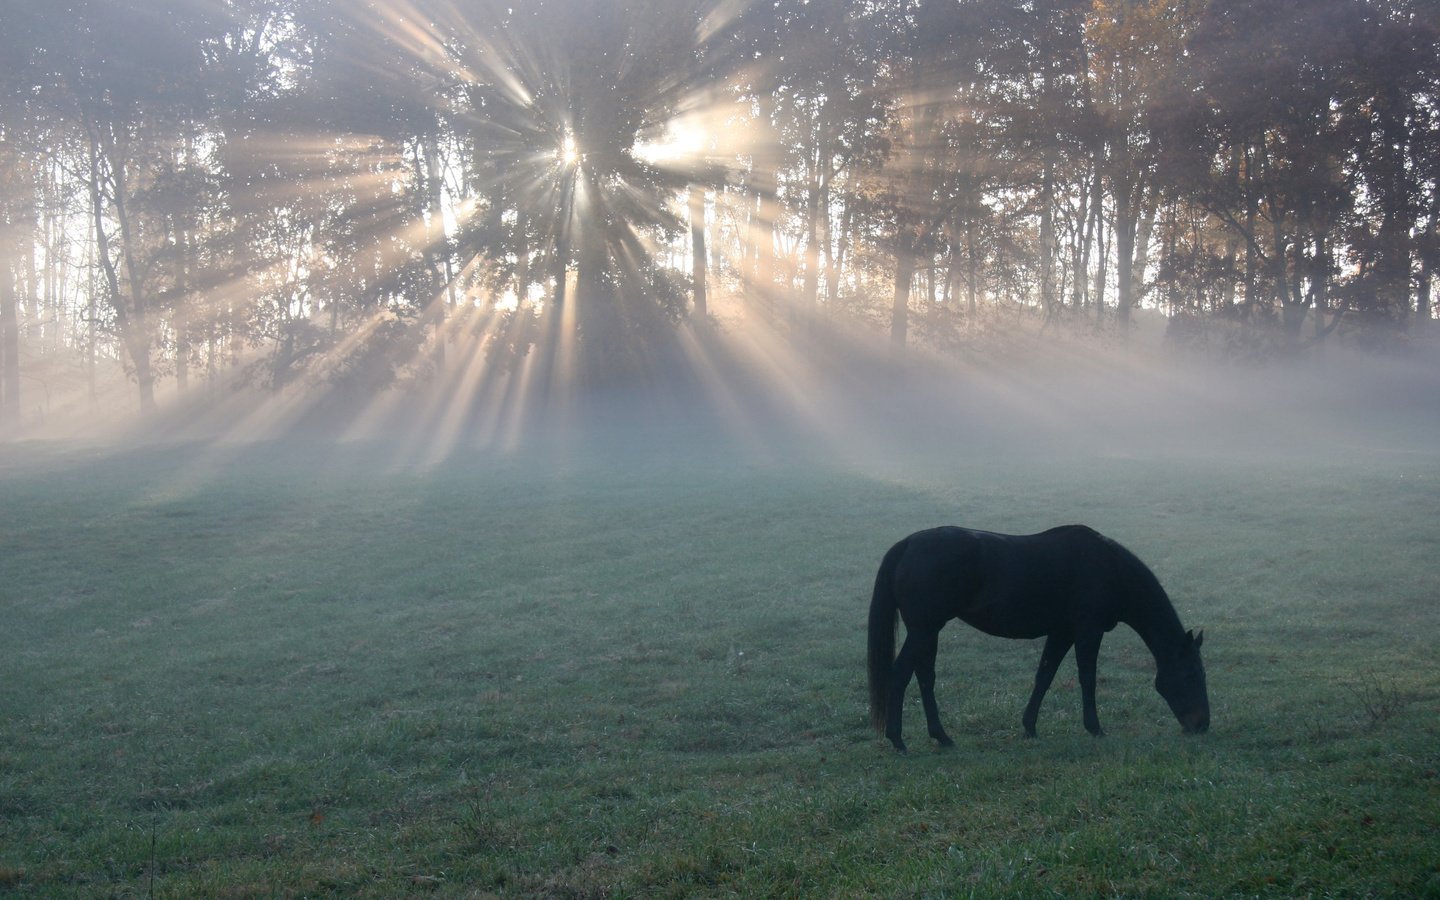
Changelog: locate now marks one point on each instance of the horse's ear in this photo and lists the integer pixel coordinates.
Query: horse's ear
(1198, 639)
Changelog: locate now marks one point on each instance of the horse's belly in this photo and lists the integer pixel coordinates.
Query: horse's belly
(1006, 624)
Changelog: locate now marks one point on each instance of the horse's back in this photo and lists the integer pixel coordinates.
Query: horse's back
(1020, 586)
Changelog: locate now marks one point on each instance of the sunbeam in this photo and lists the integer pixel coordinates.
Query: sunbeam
(452, 225)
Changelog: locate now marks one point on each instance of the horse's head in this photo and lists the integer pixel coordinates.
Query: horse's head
(1181, 681)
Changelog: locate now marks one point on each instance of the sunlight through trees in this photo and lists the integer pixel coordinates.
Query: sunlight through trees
(360, 193)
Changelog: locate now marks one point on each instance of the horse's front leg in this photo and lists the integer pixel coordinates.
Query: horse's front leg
(925, 675)
(1087, 652)
(900, 674)
(1056, 646)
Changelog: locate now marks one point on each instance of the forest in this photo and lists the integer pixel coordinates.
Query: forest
(363, 193)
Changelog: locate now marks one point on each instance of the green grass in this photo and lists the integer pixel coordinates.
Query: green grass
(270, 672)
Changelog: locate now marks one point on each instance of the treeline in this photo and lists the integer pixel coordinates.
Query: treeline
(339, 188)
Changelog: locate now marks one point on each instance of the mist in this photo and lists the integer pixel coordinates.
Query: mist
(831, 398)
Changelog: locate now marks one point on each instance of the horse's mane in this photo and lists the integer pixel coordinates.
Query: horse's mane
(1148, 600)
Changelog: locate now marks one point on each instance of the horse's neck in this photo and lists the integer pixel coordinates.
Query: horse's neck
(1158, 625)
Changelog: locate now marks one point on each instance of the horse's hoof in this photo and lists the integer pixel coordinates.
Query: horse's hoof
(945, 742)
(1030, 734)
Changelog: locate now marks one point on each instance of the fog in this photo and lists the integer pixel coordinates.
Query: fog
(824, 396)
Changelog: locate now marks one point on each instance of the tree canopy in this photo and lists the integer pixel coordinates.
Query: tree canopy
(360, 191)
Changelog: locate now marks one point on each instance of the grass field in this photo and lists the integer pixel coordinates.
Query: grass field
(273, 671)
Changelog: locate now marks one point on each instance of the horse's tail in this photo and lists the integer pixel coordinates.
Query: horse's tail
(881, 655)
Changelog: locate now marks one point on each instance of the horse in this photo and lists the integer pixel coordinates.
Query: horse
(1070, 585)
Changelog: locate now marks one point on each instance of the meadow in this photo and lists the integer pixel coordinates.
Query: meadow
(275, 670)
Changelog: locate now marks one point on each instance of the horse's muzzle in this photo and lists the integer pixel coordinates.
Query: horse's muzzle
(1196, 724)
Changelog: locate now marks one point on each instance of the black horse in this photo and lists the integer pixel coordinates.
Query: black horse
(1070, 584)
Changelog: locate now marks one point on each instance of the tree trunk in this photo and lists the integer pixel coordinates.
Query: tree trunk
(916, 201)
(765, 164)
(1292, 314)
(129, 317)
(933, 286)
(599, 319)
(522, 257)
(836, 266)
(560, 263)
(1426, 278)
(1252, 212)
(1080, 256)
(1047, 236)
(1144, 230)
(952, 271)
(904, 276)
(1126, 224)
(437, 252)
(1422, 298)
(810, 288)
(699, 257)
(1124, 269)
(1170, 244)
(972, 271)
(1102, 263)
(182, 313)
(825, 235)
(52, 276)
(1227, 286)
(9, 342)
(28, 282)
(1320, 285)
(1393, 263)
(92, 291)
(763, 288)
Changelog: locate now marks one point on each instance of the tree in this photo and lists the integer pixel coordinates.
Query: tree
(560, 101)
(1298, 111)
(125, 77)
(1135, 55)
(1393, 77)
(15, 195)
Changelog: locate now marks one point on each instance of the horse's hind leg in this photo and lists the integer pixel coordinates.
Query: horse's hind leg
(925, 675)
(900, 673)
(1056, 646)
(1087, 652)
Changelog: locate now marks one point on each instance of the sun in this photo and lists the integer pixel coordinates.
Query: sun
(681, 141)
(568, 153)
